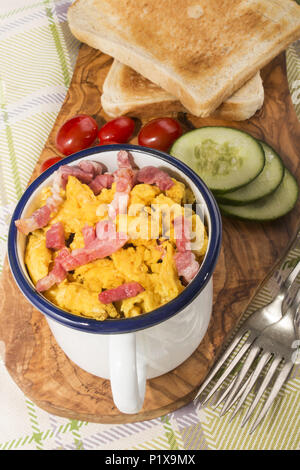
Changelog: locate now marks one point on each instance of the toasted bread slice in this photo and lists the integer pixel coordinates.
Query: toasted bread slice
(200, 51)
(127, 92)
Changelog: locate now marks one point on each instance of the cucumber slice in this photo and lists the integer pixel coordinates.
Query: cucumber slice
(225, 158)
(265, 183)
(270, 207)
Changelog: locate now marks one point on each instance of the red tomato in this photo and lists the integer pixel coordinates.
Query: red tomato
(108, 142)
(47, 163)
(76, 134)
(118, 130)
(160, 133)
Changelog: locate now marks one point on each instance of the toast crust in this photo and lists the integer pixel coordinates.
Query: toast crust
(126, 92)
(202, 67)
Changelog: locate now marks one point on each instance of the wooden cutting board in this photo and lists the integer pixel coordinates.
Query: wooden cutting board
(249, 252)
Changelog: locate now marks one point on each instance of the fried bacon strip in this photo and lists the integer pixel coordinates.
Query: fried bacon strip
(55, 237)
(40, 217)
(125, 291)
(187, 265)
(89, 234)
(100, 182)
(92, 167)
(125, 178)
(86, 172)
(152, 175)
(95, 248)
(185, 260)
(105, 243)
(57, 273)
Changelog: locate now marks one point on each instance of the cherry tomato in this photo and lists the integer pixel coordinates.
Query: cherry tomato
(76, 134)
(118, 130)
(160, 133)
(47, 163)
(108, 142)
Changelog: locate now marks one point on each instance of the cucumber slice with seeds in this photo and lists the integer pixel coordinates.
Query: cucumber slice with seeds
(271, 207)
(225, 158)
(265, 183)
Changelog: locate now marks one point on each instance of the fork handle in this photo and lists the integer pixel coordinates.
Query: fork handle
(291, 277)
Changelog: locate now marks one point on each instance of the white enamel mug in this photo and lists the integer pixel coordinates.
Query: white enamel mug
(128, 351)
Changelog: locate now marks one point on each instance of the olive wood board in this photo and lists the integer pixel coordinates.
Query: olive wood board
(249, 252)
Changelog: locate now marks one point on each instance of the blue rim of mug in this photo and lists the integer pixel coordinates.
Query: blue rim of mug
(122, 325)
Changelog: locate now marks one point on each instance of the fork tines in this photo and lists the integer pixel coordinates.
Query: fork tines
(222, 360)
(264, 354)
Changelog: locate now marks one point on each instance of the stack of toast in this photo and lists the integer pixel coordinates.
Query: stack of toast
(198, 56)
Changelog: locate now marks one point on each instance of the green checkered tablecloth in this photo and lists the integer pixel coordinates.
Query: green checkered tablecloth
(37, 56)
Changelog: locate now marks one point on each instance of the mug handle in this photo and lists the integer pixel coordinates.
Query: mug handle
(127, 373)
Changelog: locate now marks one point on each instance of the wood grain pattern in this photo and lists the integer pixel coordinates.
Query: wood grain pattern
(249, 251)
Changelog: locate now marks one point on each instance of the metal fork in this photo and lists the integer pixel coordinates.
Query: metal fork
(253, 326)
(272, 348)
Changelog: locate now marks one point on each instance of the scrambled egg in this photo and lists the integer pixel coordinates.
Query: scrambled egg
(147, 257)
